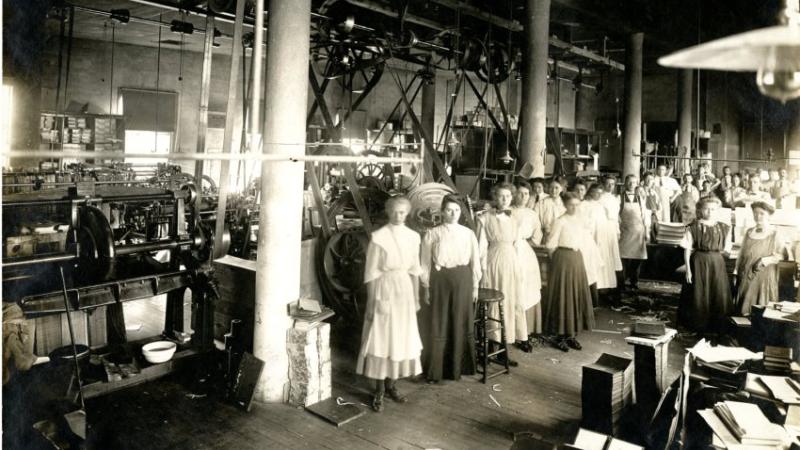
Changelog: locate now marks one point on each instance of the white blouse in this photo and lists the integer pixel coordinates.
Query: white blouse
(448, 246)
(568, 231)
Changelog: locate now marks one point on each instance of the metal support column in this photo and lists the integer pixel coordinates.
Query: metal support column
(280, 218)
(427, 119)
(632, 141)
(685, 118)
(533, 124)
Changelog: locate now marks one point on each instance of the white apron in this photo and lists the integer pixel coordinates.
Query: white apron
(632, 242)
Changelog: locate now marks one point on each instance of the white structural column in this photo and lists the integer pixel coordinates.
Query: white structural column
(632, 140)
(533, 128)
(685, 77)
(280, 224)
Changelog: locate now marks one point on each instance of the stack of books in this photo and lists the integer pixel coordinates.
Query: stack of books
(778, 359)
(607, 388)
(670, 232)
(722, 374)
(743, 424)
(308, 313)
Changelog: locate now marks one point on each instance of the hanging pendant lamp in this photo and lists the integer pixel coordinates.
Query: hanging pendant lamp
(772, 52)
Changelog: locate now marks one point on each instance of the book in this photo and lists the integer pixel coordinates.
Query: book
(748, 423)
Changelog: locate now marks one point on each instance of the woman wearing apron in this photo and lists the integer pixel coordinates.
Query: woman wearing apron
(706, 295)
(757, 264)
(497, 233)
(390, 342)
(529, 231)
(634, 225)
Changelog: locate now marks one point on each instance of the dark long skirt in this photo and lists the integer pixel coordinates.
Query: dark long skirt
(707, 302)
(568, 303)
(452, 345)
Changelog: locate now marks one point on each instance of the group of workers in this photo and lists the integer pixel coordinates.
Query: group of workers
(597, 239)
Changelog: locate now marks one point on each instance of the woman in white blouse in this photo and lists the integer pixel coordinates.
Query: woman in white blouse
(568, 309)
(390, 342)
(529, 231)
(551, 208)
(451, 271)
(497, 234)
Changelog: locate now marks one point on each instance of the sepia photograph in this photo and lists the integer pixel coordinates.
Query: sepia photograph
(400, 224)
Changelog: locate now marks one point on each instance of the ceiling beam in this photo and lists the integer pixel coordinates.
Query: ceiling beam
(470, 10)
(513, 25)
(588, 54)
(411, 18)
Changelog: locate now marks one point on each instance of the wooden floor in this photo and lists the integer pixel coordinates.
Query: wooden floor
(541, 396)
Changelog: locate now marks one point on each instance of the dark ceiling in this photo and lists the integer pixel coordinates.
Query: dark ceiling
(597, 25)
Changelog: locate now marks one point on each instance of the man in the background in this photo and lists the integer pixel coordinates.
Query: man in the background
(781, 191)
(668, 190)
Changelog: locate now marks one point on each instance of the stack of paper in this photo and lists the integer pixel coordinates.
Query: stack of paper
(743, 424)
(778, 359)
(589, 440)
(783, 389)
(703, 350)
(607, 388)
(670, 232)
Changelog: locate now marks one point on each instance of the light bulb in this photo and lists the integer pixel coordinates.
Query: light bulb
(779, 76)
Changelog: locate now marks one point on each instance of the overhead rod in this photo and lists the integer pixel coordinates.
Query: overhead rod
(249, 156)
(510, 25)
(155, 23)
(226, 17)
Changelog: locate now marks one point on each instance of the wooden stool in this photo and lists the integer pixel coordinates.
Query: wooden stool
(482, 330)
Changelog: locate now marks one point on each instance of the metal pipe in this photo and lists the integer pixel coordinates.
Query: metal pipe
(114, 198)
(150, 246)
(27, 261)
(765, 161)
(221, 156)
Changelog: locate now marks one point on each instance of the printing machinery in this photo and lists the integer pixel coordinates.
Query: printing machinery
(115, 244)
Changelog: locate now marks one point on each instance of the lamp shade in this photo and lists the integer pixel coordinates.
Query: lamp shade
(776, 47)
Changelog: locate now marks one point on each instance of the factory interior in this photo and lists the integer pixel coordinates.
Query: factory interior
(400, 224)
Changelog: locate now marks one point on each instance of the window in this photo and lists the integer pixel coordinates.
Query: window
(151, 120)
(6, 108)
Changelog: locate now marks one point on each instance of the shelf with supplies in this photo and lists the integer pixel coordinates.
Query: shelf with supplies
(101, 132)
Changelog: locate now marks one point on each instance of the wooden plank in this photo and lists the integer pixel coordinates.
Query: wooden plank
(178, 361)
(355, 189)
(246, 379)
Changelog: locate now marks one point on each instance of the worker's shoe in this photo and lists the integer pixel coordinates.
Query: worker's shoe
(395, 395)
(525, 346)
(573, 343)
(377, 402)
(561, 344)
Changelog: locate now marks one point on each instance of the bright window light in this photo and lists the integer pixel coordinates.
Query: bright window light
(6, 107)
(144, 141)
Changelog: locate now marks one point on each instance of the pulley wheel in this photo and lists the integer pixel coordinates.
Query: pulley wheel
(95, 240)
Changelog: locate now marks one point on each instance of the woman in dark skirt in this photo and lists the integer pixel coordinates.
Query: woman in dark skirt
(706, 295)
(451, 268)
(568, 303)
